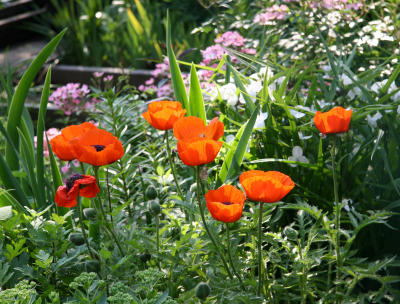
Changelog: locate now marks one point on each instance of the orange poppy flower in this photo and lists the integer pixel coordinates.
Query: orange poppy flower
(163, 114)
(267, 187)
(61, 144)
(97, 147)
(197, 143)
(336, 120)
(76, 184)
(226, 203)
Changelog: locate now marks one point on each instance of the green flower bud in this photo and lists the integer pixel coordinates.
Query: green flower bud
(154, 207)
(92, 266)
(291, 233)
(202, 291)
(90, 213)
(151, 192)
(77, 239)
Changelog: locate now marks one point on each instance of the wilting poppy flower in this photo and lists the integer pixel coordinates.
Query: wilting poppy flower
(267, 187)
(336, 120)
(226, 203)
(76, 184)
(197, 143)
(97, 147)
(61, 144)
(162, 115)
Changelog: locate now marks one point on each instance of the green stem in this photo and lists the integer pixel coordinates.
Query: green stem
(158, 239)
(228, 238)
(79, 206)
(103, 213)
(171, 163)
(337, 214)
(206, 226)
(109, 199)
(260, 281)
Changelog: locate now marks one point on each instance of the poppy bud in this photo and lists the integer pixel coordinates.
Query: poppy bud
(92, 266)
(151, 192)
(90, 213)
(202, 291)
(154, 207)
(77, 239)
(291, 233)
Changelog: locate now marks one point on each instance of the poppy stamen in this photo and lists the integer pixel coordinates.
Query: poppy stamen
(99, 147)
(227, 203)
(202, 135)
(70, 181)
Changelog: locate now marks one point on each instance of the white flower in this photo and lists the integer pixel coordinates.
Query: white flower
(230, 138)
(304, 137)
(398, 110)
(372, 120)
(229, 93)
(260, 120)
(354, 92)
(296, 114)
(345, 79)
(297, 155)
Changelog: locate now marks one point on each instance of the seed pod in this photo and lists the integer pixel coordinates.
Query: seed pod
(151, 193)
(90, 213)
(76, 238)
(203, 290)
(92, 266)
(154, 207)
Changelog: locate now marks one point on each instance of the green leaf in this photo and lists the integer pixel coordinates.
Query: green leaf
(234, 158)
(196, 101)
(39, 135)
(18, 100)
(176, 75)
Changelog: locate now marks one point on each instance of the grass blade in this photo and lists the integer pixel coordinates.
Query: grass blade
(196, 101)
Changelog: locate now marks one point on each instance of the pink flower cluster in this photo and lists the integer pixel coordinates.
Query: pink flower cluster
(276, 12)
(73, 98)
(336, 4)
(211, 56)
(50, 133)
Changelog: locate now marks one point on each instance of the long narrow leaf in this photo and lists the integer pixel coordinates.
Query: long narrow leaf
(176, 75)
(18, 100)
(39, 134)
(235, 155)
(196, 101)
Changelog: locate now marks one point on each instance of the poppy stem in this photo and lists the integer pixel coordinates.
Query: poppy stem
(79, 206)
(158, 239)
(230, 257)
(337, 213)
(260, 280)
(103, 213)
(171, 163)
(210, 235)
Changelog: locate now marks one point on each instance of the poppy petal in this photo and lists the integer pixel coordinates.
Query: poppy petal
(198, 152)
(66, 198)
(215, 129)
(337, 120)
(188, 128)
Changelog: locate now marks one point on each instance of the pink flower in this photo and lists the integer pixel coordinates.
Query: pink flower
(52, 132)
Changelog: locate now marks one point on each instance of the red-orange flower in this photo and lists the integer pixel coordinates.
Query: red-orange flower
(61, 144)
(97, 147)
(267, 187)
(336, 120)
(76, 184)
(226, 203)
(162, 115)
(197, 143)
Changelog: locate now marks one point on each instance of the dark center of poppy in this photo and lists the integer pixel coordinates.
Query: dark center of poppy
(99, 147)
(69, 182)
(202, 135)
(227, 203)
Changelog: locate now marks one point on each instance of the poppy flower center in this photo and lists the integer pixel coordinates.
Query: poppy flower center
(69, 182)
(227, 203)
(99, 147)
(202, 135)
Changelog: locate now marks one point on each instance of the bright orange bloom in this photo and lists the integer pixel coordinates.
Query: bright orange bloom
(76, 184)
(336, 120)
(97, 147)
(163, 114)
(226, 203)
(267, 187)
(61, 144)
(197, 143)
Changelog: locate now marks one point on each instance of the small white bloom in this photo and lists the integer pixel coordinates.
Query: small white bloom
(354, 92)
(297, 155)
(398, 110)
(304, 137)
(372, 120)
(230, 138)
(229, 93)
(297, 114)
(260, 120)
(345, 79)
